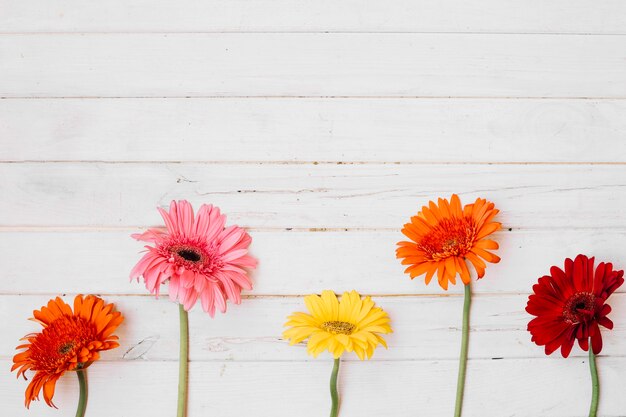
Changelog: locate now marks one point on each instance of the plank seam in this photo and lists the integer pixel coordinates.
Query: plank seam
(301, 162)
(364, 97)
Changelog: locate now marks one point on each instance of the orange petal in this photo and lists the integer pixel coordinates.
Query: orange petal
(418, 269)
(487, 230)
(465, 274)
(430, 273)
(488, 256)
(455, 206)
(451, 269)
(487, 244)
(48, 391)
(478, 264)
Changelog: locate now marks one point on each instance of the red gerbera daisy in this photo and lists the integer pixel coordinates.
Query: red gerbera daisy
(571, 305)
(197, 256)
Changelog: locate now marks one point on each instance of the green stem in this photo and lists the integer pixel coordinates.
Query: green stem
(334, 395)
(82, 386)
(183, 361)
(460, 383)
(595, 383)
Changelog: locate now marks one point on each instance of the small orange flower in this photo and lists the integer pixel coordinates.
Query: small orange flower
(69, 341)
(444, 235)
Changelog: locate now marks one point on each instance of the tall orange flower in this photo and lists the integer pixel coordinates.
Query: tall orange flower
(445, 235)
(70, 341)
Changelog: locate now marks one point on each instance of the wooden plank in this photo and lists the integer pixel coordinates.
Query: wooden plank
(290, 263)
(308, 195)
(521, 388)
(424, 328)
(266, 64)
(349, 130)
(534, 16)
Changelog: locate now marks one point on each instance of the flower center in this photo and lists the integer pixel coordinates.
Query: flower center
(338, 327)
(189, 255)
(60, 341)
(580, 307)
(192, 256)
(450, 237)
(65, 348)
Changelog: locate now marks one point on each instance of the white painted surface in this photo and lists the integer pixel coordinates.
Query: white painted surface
(308, 130)
(321, 126)
(312, 64)
(513, 16)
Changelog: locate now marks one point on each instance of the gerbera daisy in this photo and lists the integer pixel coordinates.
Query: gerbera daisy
(570, 305)
(445, 235)
(196, 257)
(70, 341)
(350, 325)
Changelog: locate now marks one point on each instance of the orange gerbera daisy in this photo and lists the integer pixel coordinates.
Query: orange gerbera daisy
(69, 341)
(445, 235)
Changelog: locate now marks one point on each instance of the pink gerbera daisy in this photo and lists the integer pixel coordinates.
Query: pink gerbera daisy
(198, 258)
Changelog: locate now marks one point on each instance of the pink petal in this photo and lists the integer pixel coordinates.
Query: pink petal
(232, 290)
(220, 301)
(175, 216)
(240, 279)
(185, 217)
(233, 268)
(203, 220)
(155, 267)
(243, 242)
(200, 283)
(150, 235)
(208, 301)
(174, 285)
(169, 222)
(216, 224)
(229, 237)
(141, 266)
(233, 255)
(151, 279)
(187, 278)
(247, 262)
(190, 299)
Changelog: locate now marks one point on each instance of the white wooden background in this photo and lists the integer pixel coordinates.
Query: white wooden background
(321, 126)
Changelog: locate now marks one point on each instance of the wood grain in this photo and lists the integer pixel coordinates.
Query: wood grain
(308, 195)
(321, 127)
(267, 64)
(291, 262)
(520, 388)
(530, 16)
(424, 328)
(306, 130)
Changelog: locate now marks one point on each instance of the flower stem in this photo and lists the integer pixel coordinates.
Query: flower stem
(82, 386)
(595, 383)
(334, 395)
(183, 361)
(460, 383)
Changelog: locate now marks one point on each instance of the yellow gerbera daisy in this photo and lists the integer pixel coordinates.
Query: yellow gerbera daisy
(352, 324)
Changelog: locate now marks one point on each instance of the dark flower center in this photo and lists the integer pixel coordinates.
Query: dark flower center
(189, 255)
(580, 307)
(66, 348)
(338, 327)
